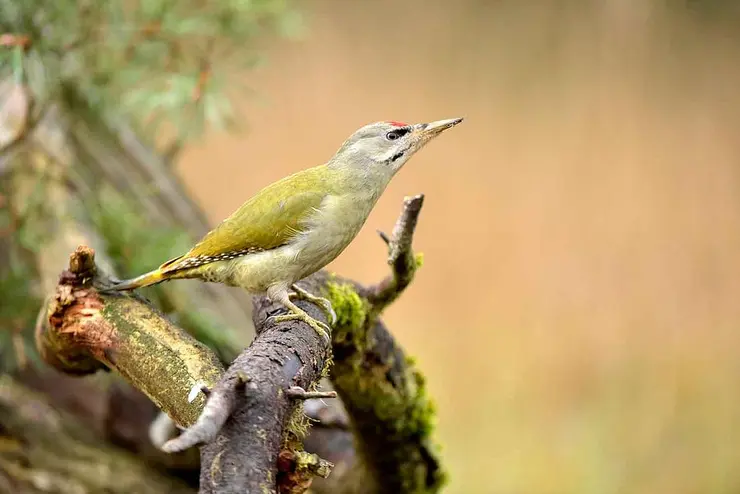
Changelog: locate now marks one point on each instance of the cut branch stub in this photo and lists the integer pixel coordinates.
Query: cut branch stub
(72, 338)
(297, 469)
(86, 331)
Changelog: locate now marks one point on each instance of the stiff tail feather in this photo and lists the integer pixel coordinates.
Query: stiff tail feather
(147, 279)
(162, 273)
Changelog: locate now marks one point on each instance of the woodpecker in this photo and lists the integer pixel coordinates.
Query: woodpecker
(299, 224)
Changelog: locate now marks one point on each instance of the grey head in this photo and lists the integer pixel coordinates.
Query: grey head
(384, 147)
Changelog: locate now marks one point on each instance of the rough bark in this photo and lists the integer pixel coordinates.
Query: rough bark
(265, 423)
(383, 392)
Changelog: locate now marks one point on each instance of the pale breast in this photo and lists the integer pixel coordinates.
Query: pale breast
(335, 224)
(326, 234)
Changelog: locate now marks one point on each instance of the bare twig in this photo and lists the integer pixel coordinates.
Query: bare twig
(161, 429)
(298, 393)
(400, 256)
(219, 407)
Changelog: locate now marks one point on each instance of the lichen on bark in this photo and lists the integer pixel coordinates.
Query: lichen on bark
(86, 330)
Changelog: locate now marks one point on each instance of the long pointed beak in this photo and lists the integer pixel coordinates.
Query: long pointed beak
(432, 129)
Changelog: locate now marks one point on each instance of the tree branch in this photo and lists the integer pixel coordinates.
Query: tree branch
(86, 331)
(391, 414)
(252, 417)
(298, 393)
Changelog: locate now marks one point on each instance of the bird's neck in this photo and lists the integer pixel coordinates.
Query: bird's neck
(360, 176)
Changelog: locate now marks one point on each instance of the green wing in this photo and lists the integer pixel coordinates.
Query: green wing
(266, 221)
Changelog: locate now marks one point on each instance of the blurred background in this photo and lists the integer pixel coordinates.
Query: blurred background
(577, 313)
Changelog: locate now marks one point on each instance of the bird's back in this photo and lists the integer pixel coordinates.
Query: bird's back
(268, 220)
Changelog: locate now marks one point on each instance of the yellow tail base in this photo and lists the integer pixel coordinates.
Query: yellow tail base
(147, 279)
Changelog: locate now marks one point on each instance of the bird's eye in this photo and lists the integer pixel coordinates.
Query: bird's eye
(397, 133)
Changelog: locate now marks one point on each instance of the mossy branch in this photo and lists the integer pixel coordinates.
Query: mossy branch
(384, 393)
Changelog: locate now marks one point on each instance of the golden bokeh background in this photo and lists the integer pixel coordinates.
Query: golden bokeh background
(577, 314)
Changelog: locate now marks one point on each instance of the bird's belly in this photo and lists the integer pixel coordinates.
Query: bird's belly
(256, 272)
(284, 265)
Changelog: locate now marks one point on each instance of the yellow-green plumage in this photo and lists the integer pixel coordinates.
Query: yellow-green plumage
(299, 224)
(268, 220)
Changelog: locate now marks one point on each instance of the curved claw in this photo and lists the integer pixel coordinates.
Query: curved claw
(325, 304)
(322, 329)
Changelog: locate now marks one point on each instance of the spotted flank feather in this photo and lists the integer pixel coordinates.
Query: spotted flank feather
(177, 267)
(180, 263)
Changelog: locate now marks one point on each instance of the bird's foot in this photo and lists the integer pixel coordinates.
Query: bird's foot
(322, 329)
(301, 294)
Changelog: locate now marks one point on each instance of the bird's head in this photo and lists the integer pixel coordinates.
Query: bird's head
(384, 147)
